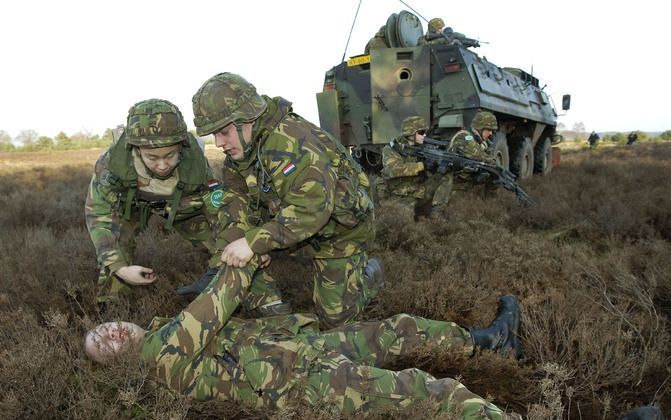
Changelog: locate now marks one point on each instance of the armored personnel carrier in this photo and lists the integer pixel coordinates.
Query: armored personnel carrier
(366, 98)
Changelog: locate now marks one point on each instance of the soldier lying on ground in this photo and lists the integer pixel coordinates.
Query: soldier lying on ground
(155, 168)
(290, 185)
(265, 363)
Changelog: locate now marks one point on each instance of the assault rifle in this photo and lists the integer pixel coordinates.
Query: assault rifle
(437, 158)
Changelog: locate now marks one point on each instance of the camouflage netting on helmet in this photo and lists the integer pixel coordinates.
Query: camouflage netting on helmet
(223, 99)
(155, 123)
(411, 125)
(484, 119)
(436, 25)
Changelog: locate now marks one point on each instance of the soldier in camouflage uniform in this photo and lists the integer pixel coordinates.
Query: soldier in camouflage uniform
(155, 168)
(433, 33)
(377, 41)
(476, 144)
(290, 185)
(437, 33)
(405, 176)
(268, 362)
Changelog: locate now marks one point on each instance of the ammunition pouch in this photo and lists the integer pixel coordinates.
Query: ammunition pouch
(148, 208)
(353, 201)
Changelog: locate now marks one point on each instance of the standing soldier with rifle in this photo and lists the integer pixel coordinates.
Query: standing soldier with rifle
(404, 174)
(593, 139)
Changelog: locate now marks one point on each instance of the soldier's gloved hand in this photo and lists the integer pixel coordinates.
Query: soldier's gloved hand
(136, 275)
(430, 165)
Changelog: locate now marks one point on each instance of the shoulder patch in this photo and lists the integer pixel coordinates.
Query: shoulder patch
(468, 138)
(289, 169)
(213, 184)
(216, 198)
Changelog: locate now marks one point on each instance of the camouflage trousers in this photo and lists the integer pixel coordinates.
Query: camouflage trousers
(341, 291)
(424, 194)
(346, 376)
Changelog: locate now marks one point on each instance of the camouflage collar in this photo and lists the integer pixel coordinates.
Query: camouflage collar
(278, 108)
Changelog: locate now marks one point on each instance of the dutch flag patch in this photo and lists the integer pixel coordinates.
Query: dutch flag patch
(289, 169)
(213, 184)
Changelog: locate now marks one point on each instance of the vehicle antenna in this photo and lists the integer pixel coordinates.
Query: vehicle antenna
(350, 31)
(414, 11)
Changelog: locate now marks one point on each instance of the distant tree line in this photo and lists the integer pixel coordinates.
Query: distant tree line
(580, 133)
(31, 141)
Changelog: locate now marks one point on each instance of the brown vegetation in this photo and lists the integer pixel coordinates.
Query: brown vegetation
(590, 263)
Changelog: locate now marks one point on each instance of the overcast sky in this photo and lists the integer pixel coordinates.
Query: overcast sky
(79, 65)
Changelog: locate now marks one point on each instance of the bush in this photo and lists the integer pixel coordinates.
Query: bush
(590, 264)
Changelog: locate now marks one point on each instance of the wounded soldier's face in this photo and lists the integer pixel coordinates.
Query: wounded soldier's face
(107, 340)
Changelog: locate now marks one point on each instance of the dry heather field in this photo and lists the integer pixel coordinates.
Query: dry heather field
(590, 263)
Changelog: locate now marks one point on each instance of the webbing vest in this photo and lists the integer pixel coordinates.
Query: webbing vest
(123, 177)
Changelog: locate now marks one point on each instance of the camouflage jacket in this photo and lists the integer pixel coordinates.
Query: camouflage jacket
(110, 201)
(206, 354)
(401, 171)
(296, 186)
(471, 146)
(378, 41)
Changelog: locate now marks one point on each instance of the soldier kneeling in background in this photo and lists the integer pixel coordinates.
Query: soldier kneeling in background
(404, 175)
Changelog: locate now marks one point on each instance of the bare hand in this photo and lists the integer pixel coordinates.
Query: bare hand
(136, 275)
(265, 260)
(237, 254)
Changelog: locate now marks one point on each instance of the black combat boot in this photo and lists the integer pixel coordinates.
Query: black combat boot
(502, 334)
(199, 285)
(375, 275)
(423, 210)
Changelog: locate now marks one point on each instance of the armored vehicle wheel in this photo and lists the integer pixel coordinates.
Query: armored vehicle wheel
(500, 150)
(522, 159)
(543, 157)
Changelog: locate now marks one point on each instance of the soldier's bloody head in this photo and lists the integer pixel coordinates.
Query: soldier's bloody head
(106, 341)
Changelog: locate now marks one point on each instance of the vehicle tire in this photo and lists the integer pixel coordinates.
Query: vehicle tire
(500, 151)
(543, 157)
(522, 160)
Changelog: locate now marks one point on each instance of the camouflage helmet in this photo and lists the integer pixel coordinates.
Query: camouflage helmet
(436, 25)
(411, 125)
(484, 119)
(223, 99)
(155, 123)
